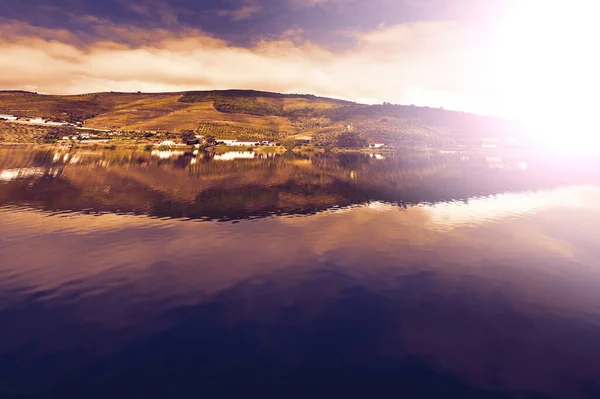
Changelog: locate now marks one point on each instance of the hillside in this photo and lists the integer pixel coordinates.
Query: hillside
(247, 114)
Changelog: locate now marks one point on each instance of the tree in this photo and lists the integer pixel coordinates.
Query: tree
(210, 140)
(188, 137)
(351, 140)
(289, 144)
(55, 133)
(52, 135)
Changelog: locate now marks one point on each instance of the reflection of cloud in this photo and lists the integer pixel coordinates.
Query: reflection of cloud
(352, 238)
(480, 210)
(447, 296)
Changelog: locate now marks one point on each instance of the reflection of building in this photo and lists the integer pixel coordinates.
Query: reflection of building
(166, 154)
(21, 173)
(494, 162)
(489, 143)
(232, 155)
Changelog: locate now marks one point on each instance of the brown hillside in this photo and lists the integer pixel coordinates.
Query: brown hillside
(246, 114)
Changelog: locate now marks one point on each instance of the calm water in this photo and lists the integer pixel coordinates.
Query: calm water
(138, 275)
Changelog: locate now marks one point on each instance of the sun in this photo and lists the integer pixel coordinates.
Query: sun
(546, 71)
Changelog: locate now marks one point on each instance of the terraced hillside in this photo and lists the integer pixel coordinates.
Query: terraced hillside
(246, 114)
(14, 133)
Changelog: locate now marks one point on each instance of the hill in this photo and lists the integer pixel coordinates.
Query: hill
(249, 114)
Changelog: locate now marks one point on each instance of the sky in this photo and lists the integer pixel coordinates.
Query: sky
(498, 57)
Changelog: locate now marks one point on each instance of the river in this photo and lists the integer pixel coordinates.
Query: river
(140, 274)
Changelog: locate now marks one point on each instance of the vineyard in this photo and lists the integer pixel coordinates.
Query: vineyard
(229, 131)
(18, 133)
(249, 115)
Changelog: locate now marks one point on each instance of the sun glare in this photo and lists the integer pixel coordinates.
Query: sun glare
(546, 72)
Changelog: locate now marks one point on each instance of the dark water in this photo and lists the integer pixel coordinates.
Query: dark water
(142, 275)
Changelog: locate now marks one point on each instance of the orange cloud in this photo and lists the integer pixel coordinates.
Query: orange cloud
(426, 63)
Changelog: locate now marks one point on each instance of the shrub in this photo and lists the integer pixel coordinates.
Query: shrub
(188, 137)
(289, 144)
(351, 140)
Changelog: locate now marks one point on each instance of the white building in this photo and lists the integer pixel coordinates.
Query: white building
(8, 117)
(377, 145)
(489, 143)
(235, 143)
(37, 120)
(167, 143)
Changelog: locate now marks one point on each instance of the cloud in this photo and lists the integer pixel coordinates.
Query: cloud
(421, 63)
(315, 3)
(150, 8)
(241, 13)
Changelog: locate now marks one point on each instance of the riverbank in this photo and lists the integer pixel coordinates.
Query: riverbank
(220, 149)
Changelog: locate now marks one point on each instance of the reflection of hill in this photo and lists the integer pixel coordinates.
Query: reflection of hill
(130, 182)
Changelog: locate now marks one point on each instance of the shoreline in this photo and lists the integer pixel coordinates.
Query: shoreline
(216, 149)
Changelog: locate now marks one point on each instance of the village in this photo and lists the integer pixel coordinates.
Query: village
(98, 136)
(78, 134)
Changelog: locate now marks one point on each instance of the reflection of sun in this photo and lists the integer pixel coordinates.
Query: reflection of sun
(545, 69)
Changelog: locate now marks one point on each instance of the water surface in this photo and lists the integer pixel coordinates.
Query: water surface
(139, 274)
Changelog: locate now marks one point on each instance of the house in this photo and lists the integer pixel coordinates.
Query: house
(225, 142)
(167, 143)
(377, 145)
(302, 140)
(489, 143)
(37, 120)
(8, 117)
